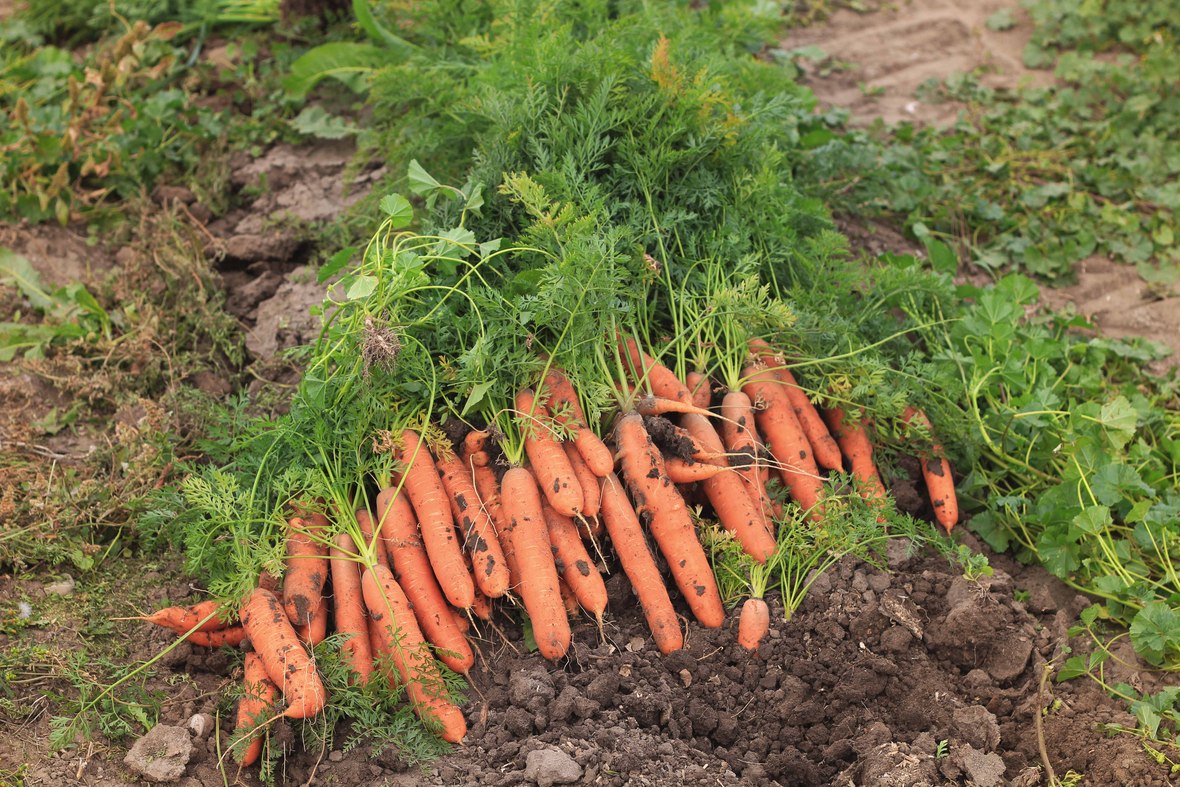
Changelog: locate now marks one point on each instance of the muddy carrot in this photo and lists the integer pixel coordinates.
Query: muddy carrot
(287, 663)
(778, 424)
(481, 544)
(316, 629)
(936, 470)
(307, 569)
(574, 564)
(227, 637)
(562, 402)
(740, 437)
(349, 605)
(547, 458)
(654, 405)
(183, 619)
(683, 471)
(823, 447)
(254, 708)
(661, 380)
(853, 439)
(753, 624)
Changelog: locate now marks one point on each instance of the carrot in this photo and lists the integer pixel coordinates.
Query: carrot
(550, 464)
(461, 622)
(490, 572)
(411, 569)
(622, 523)
(740, 437)
(184, 619)
(681, 442)
(227, 637)
(753, 624)
(823, 447)
(562, 401)
(683, 471)
(661, 380)
(574, 564)
(476, 441)
(936, 470)
(778, 423)
(590, 483)
(255, 706)
(698, 386)
(286, 662)
(654, 405)
(482, 606)
(734, 506)
(350, 605)
(307, 570)
(526, 533)
(853, 439)
(316, 629)
(488, 487)
(569, 599)
(400, 640)
(365, 522)
(429, 499)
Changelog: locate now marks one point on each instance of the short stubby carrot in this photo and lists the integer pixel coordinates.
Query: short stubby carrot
(622, 524)
(562, 402)
(307, 570)
(400, 641)
(778, 424)
(550, 465)
(254, 708)
(753, 624)
(936, 470)
(429, 499)
(525, 531)
(349, 605)
(661, 380)
(727, 494)
(489, 571)
(574, 564)
(183, 619)
(412, 570)
(852, 437)
(227, 637)
(287, 663)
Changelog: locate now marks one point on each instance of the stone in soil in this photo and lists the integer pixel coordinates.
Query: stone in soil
(549, 766)
(162, 754)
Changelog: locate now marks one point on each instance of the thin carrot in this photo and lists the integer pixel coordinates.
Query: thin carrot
(255, 706)
(411, 569)
(574, 564)
(563, 404)
(853, 439)
(490, 572)
(590, 483)
(307, 569)
(550, 465)
(622, 523)
(482, 608)
(429, 499)
(740, 437)
(183, 619)
(400, 640)
(683, 471)
(349, 604)
(227, 637)
(287, 663)
(525, 531)
(488, 487)
(936, 470)
(662, 381)
(823, 447)
(698, 386)
(654, 405)
(753, 624)
(734, 506)
(569, 599)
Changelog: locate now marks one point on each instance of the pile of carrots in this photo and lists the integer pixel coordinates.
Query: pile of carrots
(452, 533)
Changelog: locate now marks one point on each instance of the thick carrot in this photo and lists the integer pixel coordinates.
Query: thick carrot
(411, 569)
(727, 494)
(683, 471)
(823, 447)
(698, 386)
(778, 423)
(661, 380)
(622, 523)
(590, 483)
(562, 401)
(740, 437)
(753, 624)
(254, 708)
(574, 564)
(316, 629)
(661, 507)
(227, 637)
(287, 663)
(853, 439)
(654, 405)
(400, 640)
(525, 531)
(307, 570)
(429, 499)
(183, 619)
(489, 571)
(936, 470)
(349, 605)
(550, 464)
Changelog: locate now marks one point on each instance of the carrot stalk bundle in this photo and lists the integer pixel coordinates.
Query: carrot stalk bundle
(622, 523)
(660, 505)
(398, 638)
(257, 700)
(413, 572)
(350, 604)
(489, 570)
(574, 564)
(307, 569)
(429, 499)
(563, 403)
(287, 663)
(526, 535)
(365, 523)
(753, 623)
(936, 470)
(734, 506)
(547, 458)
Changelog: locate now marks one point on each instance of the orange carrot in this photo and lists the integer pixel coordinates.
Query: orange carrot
(286, 662)
(853, 439)
(227, 637)
(753, 624)
(476, 441)
(307, 570)
(660, 505)
(778, 423)
(254, 708)
(740, 438)
(690, 471)
(488, 487)
(727, 494)
(549, 462)
(574, 564)
(490, 572)
(682, 443)
(183, 619)
(823, 447)
(429, 499)
(411, 569)
(365, 522)
(400, 641)
(590, 483)
(562, 402)
(316, 629)
(482, 606)
(661, 380)
(569, 599)
(698, 386)
(525, 531)
(654, 405)
(940, 484)
(350, 605)
(622, 523)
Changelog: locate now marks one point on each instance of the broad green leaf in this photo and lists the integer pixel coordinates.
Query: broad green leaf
(398, 209)
(478, 392)
(1155, 630)
(1119, 418)
(1093, 520)
(348, 62)
(315, 121)
(335, 263)
(421, 181)
(362, 287)
(17, 270)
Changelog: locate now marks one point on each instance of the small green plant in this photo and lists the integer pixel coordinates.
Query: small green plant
(942, 749)
(974, 565)
(69, 313)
